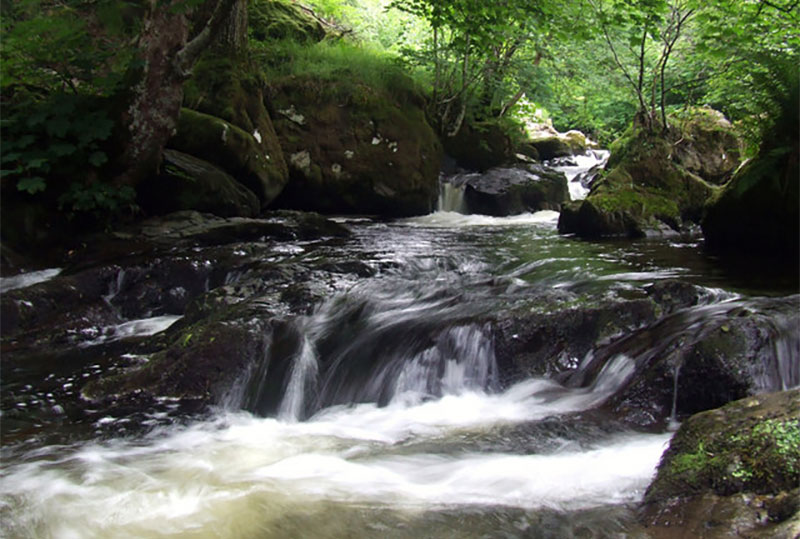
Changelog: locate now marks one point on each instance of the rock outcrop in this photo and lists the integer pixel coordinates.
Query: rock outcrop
(733, 471)
(357, 153)
(651, 185)
(512, 190)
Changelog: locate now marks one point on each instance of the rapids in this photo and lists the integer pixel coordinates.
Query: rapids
(392, 420)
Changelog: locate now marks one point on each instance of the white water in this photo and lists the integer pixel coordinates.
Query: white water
(238, 475)
(583, 163)
(27, 279)
(451, 219)
(133, 328)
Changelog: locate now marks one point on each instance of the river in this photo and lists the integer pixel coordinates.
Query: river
(395, 420)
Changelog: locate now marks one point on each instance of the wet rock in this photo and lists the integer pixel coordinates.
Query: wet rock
(513, 190)
(203, 363)
(731, 471)
(188, 183)
(553, 339)
(703, 357)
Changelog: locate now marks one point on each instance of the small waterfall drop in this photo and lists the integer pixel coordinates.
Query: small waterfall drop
(451, 198)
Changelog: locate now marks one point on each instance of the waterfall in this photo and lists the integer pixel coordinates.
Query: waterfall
(451, 198)
(303, 374)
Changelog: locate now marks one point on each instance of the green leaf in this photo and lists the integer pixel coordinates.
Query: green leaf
(32, 185)
(38, 162)
(58, 126)
(98, 158)
(62, 148)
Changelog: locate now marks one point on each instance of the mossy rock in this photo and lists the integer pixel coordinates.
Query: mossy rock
(189, 183)
(229, 86)
(355, 149)
(748, 446)
(274, 20)
(229, 147)
(644, 192)
(759, 210)
(481, 146)
(708, 145)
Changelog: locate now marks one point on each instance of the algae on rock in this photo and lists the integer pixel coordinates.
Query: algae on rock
(645, 190)
(733, 470)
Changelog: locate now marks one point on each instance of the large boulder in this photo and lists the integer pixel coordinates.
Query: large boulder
(709, 146)
(367, 151)
(644, 192)
(513, 190)
(733, 471)
(189, 183)
(759, 210)
(480, 145)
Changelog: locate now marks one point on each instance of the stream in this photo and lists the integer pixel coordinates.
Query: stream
(395, 418)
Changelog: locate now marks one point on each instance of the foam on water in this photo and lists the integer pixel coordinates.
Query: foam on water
(449, 219)
(134, 328)
(27, 279)
(211, 478)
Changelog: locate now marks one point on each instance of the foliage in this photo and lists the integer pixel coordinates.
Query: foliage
(354, 68)
(60, 63)
(61, 136)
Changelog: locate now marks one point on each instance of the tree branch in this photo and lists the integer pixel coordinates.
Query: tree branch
(188, 55)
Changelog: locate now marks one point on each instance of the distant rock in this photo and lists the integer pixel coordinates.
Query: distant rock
(504, 191)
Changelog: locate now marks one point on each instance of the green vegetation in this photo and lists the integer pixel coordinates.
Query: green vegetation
(87, 114)
(752, 445)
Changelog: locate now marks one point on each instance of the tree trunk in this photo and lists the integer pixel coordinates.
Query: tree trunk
(233, 34)
(155, 100)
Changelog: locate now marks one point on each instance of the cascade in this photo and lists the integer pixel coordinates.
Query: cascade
(451, 198)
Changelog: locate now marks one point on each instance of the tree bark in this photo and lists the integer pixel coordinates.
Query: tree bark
(155, 100)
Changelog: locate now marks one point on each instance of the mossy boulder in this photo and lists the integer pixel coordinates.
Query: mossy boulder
(189, 183)
(273, 20)
(480, 145)
(708, 146)
(355, 148)
(549, 144)
(227, 88)
(731, 471)
(644, 192)
(237, 152)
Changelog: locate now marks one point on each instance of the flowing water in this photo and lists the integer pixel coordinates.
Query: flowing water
(393, 420)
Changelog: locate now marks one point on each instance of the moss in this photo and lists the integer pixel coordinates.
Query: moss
(272, 20)
(752, 445)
